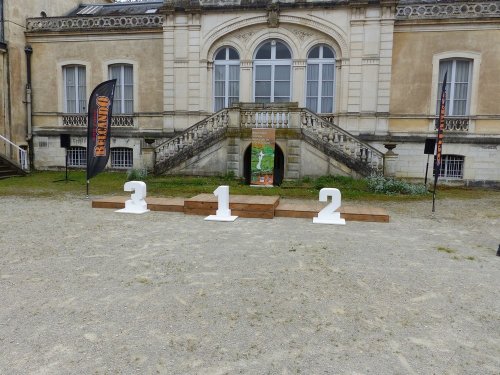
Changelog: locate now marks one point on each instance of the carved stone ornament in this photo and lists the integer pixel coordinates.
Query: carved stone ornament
(302, 35)
(245, 35)
(273, 15)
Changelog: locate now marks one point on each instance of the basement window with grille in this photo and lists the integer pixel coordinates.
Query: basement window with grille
(122, 157)
(43, 142)
(77, 156)
(452, 167)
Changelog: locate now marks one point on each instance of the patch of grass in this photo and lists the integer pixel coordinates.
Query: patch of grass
(446, 250)
(42, 184)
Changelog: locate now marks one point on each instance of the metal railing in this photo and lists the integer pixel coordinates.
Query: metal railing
(14, 153)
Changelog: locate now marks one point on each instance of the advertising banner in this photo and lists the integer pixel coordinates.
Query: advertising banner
(99, 127)
(439, 142)
(262, 162)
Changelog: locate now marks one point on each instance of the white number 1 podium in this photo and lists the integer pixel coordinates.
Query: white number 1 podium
(223, 212)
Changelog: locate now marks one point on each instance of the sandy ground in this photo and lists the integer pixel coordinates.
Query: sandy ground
(91, 291)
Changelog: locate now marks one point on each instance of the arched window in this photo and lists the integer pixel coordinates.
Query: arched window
(75, 96)
(123, 102)
(122, 157)
(458, 84)
(226, 78)
(272, 73)
(320, 79)
(77, 156)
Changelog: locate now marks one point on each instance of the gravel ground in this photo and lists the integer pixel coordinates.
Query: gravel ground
(91, 291)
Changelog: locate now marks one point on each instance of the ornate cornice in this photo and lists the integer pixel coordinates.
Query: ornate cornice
(94, 23)
(409, 10)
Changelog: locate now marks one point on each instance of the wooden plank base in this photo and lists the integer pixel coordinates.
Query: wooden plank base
(250, 206)
(308, 210)
(154, 204)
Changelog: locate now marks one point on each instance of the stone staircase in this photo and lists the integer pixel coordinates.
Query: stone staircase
(191, 141)
(319, 132)
(13, 159)
(9, 168)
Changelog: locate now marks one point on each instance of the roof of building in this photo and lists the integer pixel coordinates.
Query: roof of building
(117, 9)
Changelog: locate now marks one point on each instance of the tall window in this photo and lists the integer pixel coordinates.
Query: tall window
(272, 80)
(124, 92)
(75, 96)
(226, 78)
(458, 85)
(452, 166)
(122, 157)
(320, 79)
(77, 156)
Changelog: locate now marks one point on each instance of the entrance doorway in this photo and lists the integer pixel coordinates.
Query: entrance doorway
(279, 165)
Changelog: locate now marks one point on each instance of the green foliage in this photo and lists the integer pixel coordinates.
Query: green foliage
(137, 174)
(390, 186)
(43, 184)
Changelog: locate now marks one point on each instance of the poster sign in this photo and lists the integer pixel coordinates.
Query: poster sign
(262, 163)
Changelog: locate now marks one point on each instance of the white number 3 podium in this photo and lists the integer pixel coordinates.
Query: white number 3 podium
(137, 204)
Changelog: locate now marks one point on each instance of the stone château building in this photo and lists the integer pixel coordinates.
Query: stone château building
(338, 79)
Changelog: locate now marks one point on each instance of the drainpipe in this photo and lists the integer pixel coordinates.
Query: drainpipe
(29, 133)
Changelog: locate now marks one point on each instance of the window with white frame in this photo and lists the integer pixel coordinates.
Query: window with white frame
(272, 73)
(226, 78)
(123, 102)
(458, 86)
(452, 166)
(320, 79)
(77, 156)
(75, 95)
(122, 157)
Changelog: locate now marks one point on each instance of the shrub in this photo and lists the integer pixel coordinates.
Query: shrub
(137, 174)
(379, 184)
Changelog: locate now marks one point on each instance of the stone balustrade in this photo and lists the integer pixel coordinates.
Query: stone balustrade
(341, 142)
(321, 133)
(454, 124)
(80, 120)
(212, 127)
(94, 23)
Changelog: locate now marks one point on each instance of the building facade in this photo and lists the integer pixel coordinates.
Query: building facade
(337, 79)
(15, 119)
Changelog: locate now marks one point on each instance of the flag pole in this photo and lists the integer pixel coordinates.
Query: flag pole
(440, 136)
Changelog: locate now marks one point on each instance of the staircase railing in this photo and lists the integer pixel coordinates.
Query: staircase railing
(344, 146)
(14, 153)
(199, 136)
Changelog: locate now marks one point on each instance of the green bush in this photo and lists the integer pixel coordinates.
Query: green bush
(390, 186)
(137, 174)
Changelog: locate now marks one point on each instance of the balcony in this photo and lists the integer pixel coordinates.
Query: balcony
(454, 124)
(80, 120)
